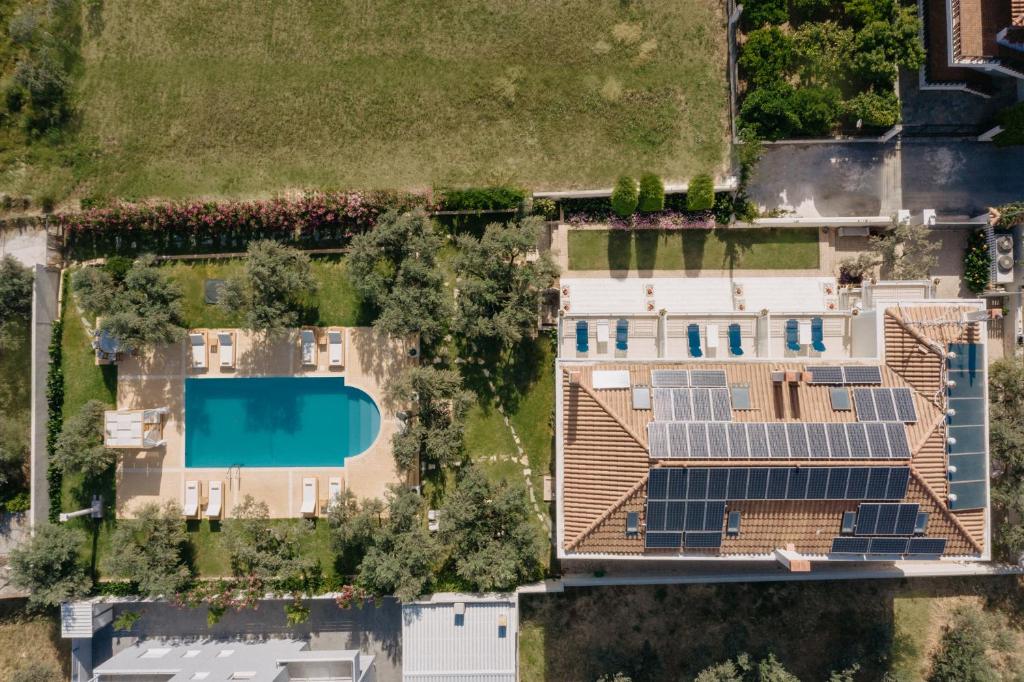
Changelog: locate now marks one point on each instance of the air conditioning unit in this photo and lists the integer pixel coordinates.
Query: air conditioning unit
(1004, 259)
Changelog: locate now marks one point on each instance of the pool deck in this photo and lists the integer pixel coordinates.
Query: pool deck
(157, 379)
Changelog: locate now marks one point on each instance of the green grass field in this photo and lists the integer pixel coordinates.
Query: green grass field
(643, 250)
(248, 98)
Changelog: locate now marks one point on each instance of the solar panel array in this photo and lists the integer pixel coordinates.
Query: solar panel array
(910, 547)
(674, 515)
(681, 378)
(692, 404)
(677, 484)
(708, 439)
(884, 405)
(886, 519)
(845, 374)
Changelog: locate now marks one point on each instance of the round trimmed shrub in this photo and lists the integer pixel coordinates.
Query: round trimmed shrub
(625, 197)
(652, 193)
(700, 196)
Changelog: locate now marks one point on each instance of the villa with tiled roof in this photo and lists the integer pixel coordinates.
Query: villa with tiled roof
(804, 423)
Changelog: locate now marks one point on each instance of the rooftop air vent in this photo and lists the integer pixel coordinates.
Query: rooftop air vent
(1004, 259)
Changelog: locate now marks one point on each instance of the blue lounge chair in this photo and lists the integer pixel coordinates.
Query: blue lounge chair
(622, 335)
(792, 335)
(693, 334)
(817, 334)
(735, 340)
(582, 337)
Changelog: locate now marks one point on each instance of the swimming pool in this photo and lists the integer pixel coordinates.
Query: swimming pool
(276, 422)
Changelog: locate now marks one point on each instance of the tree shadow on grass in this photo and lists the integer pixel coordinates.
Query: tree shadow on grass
(646, 244)
(735, 246)
(620, 249)
(693, 245)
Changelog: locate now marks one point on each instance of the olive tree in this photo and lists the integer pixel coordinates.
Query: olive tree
(273, 288)
(434, 429)
(265, 550)
(906, 251)
(149, 550)
(80, 444)
(402, 555)
(47, 566)
(499, 286)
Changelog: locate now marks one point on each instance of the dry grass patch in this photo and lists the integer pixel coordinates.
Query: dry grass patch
(26, 638)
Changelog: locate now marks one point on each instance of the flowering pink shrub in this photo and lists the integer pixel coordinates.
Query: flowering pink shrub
(308, 219)
(350, 595)
(662, 220)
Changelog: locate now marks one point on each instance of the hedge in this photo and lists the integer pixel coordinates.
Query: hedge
(55, 416)
(977, 262)
(652, 193)
(480, 198)
(313, 219)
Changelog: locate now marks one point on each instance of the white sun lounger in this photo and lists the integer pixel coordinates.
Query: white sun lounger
(711, 332)
(333, 489)
(335, 347)
(213, 507)
(309, 496)
(307, 343)
(191, 506)
(197, 342)
(602, 331)
(226, 351)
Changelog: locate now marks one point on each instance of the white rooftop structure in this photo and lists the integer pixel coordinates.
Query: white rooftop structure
(133, 428)
(218, 661)
(455, 638)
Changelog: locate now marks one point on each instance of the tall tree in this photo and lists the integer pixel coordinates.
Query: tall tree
(355, 525)
(906, 251)
(15, 295)
(499, 286)
(149, 550)
(1006, 443)
(401, 558)
(80, 446)
(394, 269)
(273, 288)
(489, 529)
(47, 566)
(261, 549)
(434, 430)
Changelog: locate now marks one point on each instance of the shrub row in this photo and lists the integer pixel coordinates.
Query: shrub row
(321, 219)
(479, 198)
(977, 262)
(55, 416)
(649, 196)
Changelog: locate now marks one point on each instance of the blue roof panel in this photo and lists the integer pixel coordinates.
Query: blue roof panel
(970, 495)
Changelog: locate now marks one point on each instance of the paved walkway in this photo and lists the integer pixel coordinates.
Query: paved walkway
(28, 245)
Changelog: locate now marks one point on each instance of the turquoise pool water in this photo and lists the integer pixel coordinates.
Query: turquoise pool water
(276, 422)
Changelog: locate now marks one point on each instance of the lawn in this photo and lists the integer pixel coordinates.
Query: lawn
(736, 249)
(243, 98)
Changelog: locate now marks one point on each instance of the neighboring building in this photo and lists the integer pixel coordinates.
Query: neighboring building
(773, 419)
(208, 660)
(970, 42)
(455, 637)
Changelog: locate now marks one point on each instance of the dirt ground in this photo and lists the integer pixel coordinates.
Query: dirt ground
(30, 637)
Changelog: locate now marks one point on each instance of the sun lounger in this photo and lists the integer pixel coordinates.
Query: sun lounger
(817, 334)
(582, 337)
(711, 334)
(226, 351)
(693, 336)
(307, 343)
(333, 489)
(197, 344)
(335, 347)
(602, 331)
(213, 507)
(792, 335)
(309, 497)
(735, 340)
(191, 507)
(622, 335)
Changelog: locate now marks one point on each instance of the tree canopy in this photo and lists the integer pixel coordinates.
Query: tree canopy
(142, 309)
(1006, 445)
(434, 430)
(394, 269)
(962, 655)
(149, 550)
(15, 294)
(906, 251)
(499, 287)
(266, 550)
(273, 289)
(488, 529)
(47, 566)
(80, 444)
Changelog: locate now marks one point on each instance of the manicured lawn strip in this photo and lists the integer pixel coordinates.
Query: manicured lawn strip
(84, 380)
(191, 276)
(400, 94)
(532, 414)
(531, 652)
(912, 615)
(748, 249)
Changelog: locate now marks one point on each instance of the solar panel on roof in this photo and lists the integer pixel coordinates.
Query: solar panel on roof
(858, 483)
(867, 519)
(905, 519)
(657, 484)
(777, 443)
(738, 484)
(698, 485)
(797, 440)
(718, 440)
(718, 484)
(721, 405)
(670, 378)
(677, 484)
(656, 512)
(797, 488)
(703, 540)
(932, 546)
(708, 378)
(757, 483)
(858, 439)
(877, 442)
(698, 440)
(657, 439)
(817, 484)
(905, 410)
(757, 435)
(713, 516)
(861, 374)
(817, 441)
(701, 399)
(738, 441)
(682, 402)
(899, 448)
(663, 410)
(675, 513)
(663, 540)
(677, 439)
(839, 397)
(864, 402)
(887, 546)
(899, 477)
(778, 481)
(878, 480)
(887, 515)
(838, 444)
(826, 374)
(695, 515)
(740, 396)
(837, 479)
(884, 404)
(849, 546)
